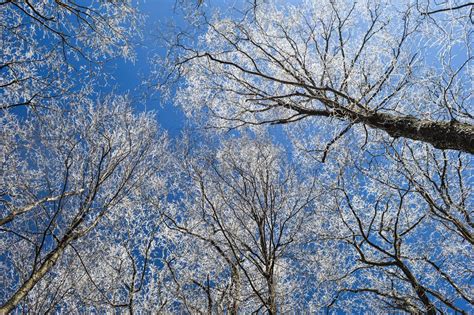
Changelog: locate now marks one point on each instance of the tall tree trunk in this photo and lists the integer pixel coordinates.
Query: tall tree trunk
(49, 262)
(442, 135)
(235, 293)
(272, 308)
(419, 289)
(451, 135)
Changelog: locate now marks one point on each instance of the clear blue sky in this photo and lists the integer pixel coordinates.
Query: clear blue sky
(129, 76)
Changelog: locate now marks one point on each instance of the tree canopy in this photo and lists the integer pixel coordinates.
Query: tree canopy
(326, 164)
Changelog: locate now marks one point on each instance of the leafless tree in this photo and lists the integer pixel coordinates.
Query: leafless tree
(51, 50)
(380, 93)
(377, 64)
(64, 173)
(245, 232)
(408, 226)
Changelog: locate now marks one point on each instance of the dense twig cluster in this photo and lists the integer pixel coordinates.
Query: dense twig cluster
(371, 210)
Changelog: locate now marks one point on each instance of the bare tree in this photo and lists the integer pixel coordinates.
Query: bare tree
(53, 49)
(371, 212)
(407, 225)
(434, 7)
(245, 233)
(380, 93)
(64, 173)
(381, 65)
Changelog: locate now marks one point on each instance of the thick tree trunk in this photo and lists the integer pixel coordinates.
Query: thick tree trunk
(442, 135)
(419, 289)
(451, 135)
(272, 307)
(235, 291)
(46, 266)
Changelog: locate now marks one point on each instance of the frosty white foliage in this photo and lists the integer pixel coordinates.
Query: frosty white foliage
(77, 182)
(410, 238)
(380, 55)
(247, 237)
(355, 83)
(52, 49)
(99, 214)
(332, 67)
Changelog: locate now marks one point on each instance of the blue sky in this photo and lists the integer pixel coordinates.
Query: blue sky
(129, 76)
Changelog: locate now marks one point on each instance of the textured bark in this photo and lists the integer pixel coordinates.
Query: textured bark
(236, 286)
(46, 266)
(451, 135)
(420, 290)
(442, 135)
(272, 305)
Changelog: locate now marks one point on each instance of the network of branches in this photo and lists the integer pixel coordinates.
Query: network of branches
(327, 166)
